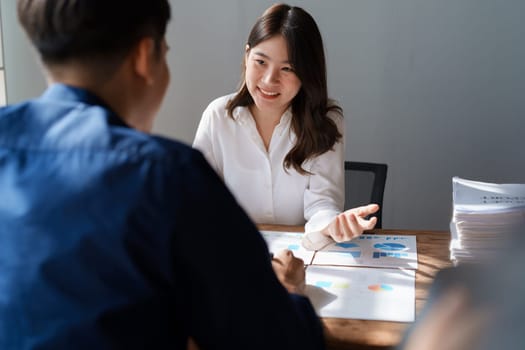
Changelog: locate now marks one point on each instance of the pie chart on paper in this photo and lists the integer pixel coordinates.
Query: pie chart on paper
(390, 246)
(381, 288)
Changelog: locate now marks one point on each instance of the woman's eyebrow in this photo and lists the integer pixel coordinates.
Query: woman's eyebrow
(259, 53)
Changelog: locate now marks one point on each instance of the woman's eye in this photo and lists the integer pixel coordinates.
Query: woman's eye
(288, 69)
(261, 62)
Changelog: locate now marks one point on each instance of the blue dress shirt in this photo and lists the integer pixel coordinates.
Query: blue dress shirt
(111, 238)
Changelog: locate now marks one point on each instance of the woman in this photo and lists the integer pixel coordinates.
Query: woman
(278, 142)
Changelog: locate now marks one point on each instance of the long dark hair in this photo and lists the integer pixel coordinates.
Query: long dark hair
(316, 132)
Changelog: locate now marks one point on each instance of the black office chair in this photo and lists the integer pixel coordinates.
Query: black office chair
(365, 184)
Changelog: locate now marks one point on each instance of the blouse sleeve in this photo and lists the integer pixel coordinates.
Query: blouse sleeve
(324, 198)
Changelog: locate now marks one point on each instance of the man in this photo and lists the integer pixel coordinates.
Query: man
(111, 237)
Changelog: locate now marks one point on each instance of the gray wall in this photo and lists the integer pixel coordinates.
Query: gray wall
(433, 88)
(23, 75)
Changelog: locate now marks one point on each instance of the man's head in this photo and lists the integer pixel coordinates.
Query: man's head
(114, 48)
(98, 32)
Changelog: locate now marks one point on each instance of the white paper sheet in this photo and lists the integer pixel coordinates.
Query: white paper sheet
(476, 196)
(362, 293)
(288, 240)
(371, 250)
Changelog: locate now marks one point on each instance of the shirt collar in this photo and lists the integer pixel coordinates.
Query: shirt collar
(71, 93)
(63, 92)
(242, 113)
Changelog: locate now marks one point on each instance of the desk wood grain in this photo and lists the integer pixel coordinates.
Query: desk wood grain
(433, 255)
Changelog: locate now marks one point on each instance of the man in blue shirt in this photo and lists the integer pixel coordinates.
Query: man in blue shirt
(113, 238)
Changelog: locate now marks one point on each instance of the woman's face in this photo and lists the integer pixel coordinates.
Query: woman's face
(270, 78)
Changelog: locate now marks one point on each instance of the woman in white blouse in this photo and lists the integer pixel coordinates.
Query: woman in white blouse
(278, 142)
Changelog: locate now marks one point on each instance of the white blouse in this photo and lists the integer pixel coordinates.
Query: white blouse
(268, 192)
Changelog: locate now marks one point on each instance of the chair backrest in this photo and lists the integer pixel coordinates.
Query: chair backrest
(365, 184)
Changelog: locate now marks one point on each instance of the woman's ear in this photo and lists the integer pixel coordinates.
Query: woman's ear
(144, 59)
(246, 53)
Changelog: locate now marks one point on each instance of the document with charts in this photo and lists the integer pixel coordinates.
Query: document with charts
(362, 293)
(371, 250)
(371, 277)
(288, 240)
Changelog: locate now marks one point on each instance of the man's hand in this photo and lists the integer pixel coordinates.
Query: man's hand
(290, 271)
(351, 223)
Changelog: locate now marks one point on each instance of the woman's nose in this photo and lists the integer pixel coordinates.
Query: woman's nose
(271, 76)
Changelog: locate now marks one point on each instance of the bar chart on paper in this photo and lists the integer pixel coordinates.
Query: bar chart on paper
(371, 277)
(371, 250)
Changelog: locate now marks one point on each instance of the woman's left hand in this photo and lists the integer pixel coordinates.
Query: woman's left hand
(351, 223)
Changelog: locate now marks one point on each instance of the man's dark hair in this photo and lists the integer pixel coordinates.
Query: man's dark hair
(91, 30)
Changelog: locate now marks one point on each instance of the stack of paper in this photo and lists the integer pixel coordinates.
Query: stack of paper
(485, 215)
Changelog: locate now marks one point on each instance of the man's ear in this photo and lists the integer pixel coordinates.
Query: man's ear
(144, 59)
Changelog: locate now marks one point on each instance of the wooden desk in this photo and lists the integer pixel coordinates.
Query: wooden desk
(433, 255)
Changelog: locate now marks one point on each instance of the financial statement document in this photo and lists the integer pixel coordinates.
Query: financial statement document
(371, 277)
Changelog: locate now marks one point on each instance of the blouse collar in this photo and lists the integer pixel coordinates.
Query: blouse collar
(242, 113)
